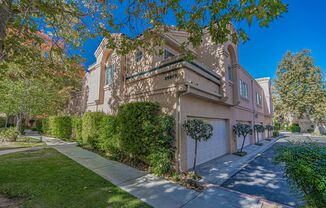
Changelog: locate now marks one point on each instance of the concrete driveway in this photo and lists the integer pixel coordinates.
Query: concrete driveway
(263, 178)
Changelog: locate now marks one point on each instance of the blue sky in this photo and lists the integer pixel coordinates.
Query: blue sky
(303, 27)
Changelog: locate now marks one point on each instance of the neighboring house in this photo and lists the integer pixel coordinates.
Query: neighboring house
(212, 87)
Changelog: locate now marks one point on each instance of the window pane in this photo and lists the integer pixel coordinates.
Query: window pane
(138, 56)
(230, 72)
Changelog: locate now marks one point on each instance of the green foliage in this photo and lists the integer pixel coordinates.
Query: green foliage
(295, 128)
(276, 133)
(310, 130)
(277, 126)
(299, 87)
(136, 123)
(242, 130)
(108, 141)
(60, 126)
(91, 123)
(8, 134)
(76, 131)
(39, 125)
(2, 122)
(68, 21)
(160, 162)
(198, 130)
(305, 169)
(259, 128)
(45, 126)
(163, 148)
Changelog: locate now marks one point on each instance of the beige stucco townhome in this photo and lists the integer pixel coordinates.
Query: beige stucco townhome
(212, 86)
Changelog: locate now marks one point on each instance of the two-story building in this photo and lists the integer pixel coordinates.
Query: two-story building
(212, 86)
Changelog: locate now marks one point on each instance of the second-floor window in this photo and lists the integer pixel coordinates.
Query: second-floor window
(243, 89)
(138, 56)
(258, 99)
(109, 74)
(167, 54)
(230, 73)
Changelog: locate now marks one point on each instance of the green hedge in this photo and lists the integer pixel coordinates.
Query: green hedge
(76, 128)
(305, 169)
(39, 125)
(91, 123)
(2, 122)
(295, 128)
(136, 124)
(108, 140)
(60, 126)
(45, 126)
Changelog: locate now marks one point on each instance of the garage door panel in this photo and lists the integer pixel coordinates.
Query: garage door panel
(216, 146)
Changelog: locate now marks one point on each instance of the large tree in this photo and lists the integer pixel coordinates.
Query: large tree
(299, 90)
(73, 21)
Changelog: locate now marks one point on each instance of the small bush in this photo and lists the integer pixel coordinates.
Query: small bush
(76, 128)
(136, 123)
(295, 128)
(91, 122)
(45, 126)
(60, 126)
(305, 169)
(310, 130)
(39, 125)
(277, 126)
(276, 133)
(8, 134)
(160, 162)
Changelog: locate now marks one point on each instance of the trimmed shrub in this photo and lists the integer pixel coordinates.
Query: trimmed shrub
(60, 126)
(8, 134)
(306, 170)
(91, 123)
(161, 158)
(76, 128)
(295, 128)
(136, 124)
(45, 126)
(108, 141)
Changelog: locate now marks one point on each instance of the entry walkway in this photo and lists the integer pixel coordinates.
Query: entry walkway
(155, 191)
(218, 170)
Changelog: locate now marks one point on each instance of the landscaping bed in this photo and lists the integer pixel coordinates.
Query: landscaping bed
(46, 178)
(22, 142)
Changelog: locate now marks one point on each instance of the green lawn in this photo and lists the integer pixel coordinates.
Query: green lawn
(47, 178)
(23, 142)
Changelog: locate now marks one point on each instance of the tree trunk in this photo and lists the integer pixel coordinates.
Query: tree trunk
(4, 17)
(244, 139)
(19, 123)
(7, 120)
(194, 167)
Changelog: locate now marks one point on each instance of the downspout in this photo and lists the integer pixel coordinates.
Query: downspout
(178, 127)
(253, 109)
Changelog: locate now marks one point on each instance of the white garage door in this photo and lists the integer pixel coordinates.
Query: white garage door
(216, 146)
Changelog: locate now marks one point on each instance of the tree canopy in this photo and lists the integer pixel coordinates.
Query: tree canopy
(73, 21)
(299, 89)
